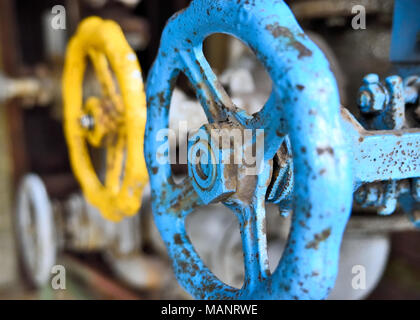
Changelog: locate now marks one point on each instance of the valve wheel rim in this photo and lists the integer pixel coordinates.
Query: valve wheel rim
(38, 245)
(320, 157)
(103, 42)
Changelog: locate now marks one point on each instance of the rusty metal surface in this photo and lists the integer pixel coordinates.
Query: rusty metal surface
(333, 154)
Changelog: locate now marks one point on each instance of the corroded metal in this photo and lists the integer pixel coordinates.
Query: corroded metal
(304, 105)
(331, 153)
(397, 149)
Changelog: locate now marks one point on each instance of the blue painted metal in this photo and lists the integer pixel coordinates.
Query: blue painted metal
(383, 107)
(405, 42)
(332, 154)
(385, 103)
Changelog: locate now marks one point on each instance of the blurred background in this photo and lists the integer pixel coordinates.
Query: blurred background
(128, 260)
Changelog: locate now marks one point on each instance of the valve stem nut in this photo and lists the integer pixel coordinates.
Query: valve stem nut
(87, 122)
(213, 178)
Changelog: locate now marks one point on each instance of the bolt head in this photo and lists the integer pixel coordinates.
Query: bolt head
(373, 97)
(371, 78)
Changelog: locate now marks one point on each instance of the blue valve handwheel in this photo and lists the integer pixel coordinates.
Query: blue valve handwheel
(304, 104)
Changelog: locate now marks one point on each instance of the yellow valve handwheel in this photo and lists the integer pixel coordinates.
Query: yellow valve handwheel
(115, 121)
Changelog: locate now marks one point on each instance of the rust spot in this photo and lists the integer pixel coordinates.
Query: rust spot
(321, 151)
(279, 31)
(177, 239)
(303, 51)
(302, 223)
(300, 87)
(186, 253)
(183, 265)
(161, 96)
(200, 67)
(319, 237)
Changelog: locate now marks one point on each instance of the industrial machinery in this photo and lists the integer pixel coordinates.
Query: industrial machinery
(113, 122)
(47, 227)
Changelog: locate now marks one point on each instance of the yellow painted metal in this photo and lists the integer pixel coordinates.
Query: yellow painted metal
(119, 117)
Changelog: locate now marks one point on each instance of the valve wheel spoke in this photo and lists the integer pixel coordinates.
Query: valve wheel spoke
(184, 198)
(114, 160)
(210, 91)
(104, 76)
(254, 242)
(218, 105)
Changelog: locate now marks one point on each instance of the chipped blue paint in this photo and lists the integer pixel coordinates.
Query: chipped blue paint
(333, 154)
